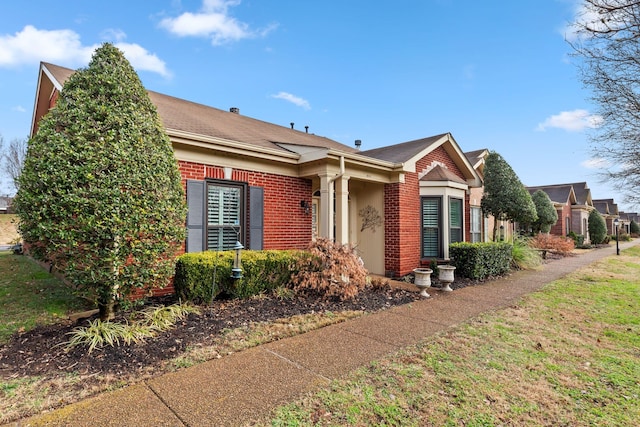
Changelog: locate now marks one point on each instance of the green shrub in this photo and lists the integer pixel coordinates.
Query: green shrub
(634, 228)
(480, 260)
(578, 239)
(263, 271)
(597, 228)
(100, 192)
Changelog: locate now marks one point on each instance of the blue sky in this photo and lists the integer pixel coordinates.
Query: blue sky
(495, 74)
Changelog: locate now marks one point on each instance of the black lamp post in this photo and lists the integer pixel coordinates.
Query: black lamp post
(616, 222)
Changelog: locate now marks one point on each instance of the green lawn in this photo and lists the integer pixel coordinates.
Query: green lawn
(568, 355)
(29, 295)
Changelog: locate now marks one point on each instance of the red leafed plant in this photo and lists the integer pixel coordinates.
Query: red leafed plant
(561, 245)
(331, 270)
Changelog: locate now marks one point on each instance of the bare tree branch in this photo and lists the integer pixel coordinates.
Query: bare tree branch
(12, 158)
(608, 45)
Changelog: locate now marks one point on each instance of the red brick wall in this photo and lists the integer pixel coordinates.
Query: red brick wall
(286, 225)
(559, 228)
(402, 216)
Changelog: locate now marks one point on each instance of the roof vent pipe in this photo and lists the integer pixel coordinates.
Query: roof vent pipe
(358, 143)
(291, 124)
(234, 110)
(306, 129)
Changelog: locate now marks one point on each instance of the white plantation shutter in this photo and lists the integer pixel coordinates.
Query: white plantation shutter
(455, 220)
(224, 207)
(430, 227)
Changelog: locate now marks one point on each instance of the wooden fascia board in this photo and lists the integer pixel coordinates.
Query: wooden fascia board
(41, 101)
(232, 147)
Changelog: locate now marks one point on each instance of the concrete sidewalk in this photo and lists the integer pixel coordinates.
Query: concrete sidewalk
(245, 386)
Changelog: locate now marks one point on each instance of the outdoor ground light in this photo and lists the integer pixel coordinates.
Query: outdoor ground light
(236, 271)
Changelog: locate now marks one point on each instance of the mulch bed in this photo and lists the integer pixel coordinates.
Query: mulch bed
(39, 351)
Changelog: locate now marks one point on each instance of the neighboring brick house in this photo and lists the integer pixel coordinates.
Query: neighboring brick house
(563, 197)
(275, 187)
(609, 211)
(626, 218)
(481, 227)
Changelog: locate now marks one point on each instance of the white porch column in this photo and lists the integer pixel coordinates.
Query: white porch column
(342, 210)
(326, 207)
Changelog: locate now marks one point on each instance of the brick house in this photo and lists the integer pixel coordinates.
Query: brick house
(609, 211)
(563, 197)
(481, 227)
(275, 187)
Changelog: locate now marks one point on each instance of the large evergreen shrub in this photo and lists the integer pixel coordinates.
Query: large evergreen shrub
(547, 214)
(504, 195)
(100, 193)
(597, 228)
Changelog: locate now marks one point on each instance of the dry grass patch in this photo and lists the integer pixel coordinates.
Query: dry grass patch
(8, 230)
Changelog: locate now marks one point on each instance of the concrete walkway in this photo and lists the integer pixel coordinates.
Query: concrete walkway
(244, 386)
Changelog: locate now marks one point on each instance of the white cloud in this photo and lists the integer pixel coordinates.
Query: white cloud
(32, 45)
(300, 102)
(214, 22)
(572, 121)
(113, 34)
(596, 163)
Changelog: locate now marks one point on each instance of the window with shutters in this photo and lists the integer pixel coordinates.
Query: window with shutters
(225, 215)
(431, 233)
(455, 220)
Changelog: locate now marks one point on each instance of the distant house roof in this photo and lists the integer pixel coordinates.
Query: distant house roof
(606, 206)
(561, 194)
(583, 193)
(198, 119)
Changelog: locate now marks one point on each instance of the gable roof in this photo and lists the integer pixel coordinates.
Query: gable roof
(199, 119)
(583, 193)
(560, 194)
(403, 152)
(408, 153)
(438, 173)
(606, 206)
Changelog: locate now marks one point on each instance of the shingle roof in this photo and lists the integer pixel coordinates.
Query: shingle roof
(400, 153)
(438, 173)
(181, 115)
(475, 156)
(612, 206)
(557, 193)
(601, 206)
(583, 193)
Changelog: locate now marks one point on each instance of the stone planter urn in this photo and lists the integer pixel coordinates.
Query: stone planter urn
(422, 280)
(445, 276)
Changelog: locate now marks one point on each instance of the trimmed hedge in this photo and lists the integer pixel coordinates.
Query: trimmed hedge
(262, 271)
(480, 260)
